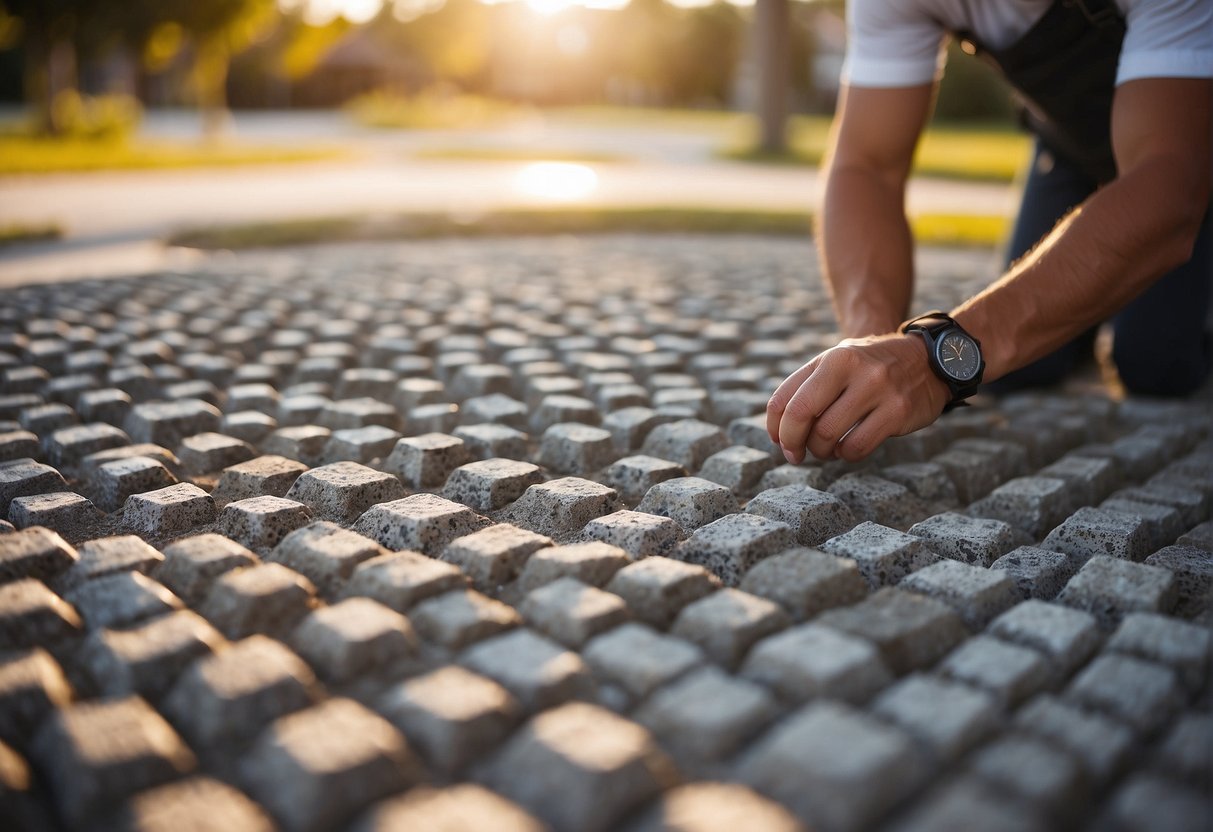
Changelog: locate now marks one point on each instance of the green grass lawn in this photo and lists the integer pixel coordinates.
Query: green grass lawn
(929, 229)
(27, 155)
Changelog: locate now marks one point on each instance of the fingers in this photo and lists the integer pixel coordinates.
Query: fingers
(814, 395)
(886, 420)
(843, 416)
(783, 394)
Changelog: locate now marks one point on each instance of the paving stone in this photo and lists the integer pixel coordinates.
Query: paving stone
(1193, 571)
(948, 718)
(1006, 671)
(875, 499)
(192, 564)
(810, 661)
(492, 557)
(358, 413)
(1038, 573)
(264, 476)
(453, 716)
(639, 534)
(260, 523)
(1032, 505)
(727, 623)
(730, 546)
(484, 441)
(1031, 770)
(716, 807)
(688, 442)
(420, 522)
(738, 468)
(457, 618)
(969, 803)
(1099, 744)
(796, 763)
(805, 581)
(1110, 588)
(815, 516)
(248, 426)
(44, 419)
(317, 768)
(490, 484)
(883, 556)
(23, 478)
(231, 695)
(361, 445)
(496, 408)
(1163, 523)
(690, 501)
(1089, 479)
(977, 595)
(355, 637)
(1143, 695)
(1199, 537)
(633, 476)
(170, 510)
(927, 481)
(34, 552)
(911, 631)
(587, 768)
(343, 491)
(32, 686)
(1147, 801)
(303, 443)
(1066, 637)
(167, 423)
(1193, 504)
(193, 803)
(96, 753)
(656, 589)
(147, 658)
(460, 808)
(971, 473)
(72, 514)
(67, 446)
(401, 579)
(571, 448)
(121, 599)
(538, 672)
(967, 539)
(561, 508)
(1186, 751)
(87, 469)
(108, 555)
(556, 409)
(1090, 532)
(639, 660)
(113, 482)
(572, 612)
(108, 405)
(207, 452)
(1183, 647)
(19, 444)
(629, 426)
(267, 598)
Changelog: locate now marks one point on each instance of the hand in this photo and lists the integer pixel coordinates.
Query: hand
(852, 397)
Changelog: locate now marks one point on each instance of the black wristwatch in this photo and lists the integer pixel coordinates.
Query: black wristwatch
(954, 355)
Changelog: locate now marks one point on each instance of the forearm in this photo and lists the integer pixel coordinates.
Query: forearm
(866, 250)
(1090, 266)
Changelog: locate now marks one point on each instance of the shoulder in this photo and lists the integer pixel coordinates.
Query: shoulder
(1166, 39)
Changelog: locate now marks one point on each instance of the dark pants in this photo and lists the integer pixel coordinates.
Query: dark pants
(1160, 346)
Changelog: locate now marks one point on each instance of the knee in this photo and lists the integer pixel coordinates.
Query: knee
(1155, 372)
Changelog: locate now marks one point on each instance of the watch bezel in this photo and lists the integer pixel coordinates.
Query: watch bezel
(943, 336)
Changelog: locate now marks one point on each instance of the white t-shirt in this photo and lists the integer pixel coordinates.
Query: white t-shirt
(899, 43)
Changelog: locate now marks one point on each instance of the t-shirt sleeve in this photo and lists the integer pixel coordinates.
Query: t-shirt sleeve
(1167, 39)
(891, 43)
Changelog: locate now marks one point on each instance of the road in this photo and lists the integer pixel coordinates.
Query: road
(115, 220)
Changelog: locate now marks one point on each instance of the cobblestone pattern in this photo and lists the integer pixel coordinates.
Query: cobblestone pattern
(491, 536)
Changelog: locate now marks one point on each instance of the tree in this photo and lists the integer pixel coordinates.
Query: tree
(49, 32)
(772, 42)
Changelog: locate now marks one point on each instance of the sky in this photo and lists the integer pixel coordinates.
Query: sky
(360, 11)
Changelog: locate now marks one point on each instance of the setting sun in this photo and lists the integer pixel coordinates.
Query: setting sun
(556, 181)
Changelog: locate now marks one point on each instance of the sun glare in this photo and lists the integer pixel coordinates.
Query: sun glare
(550, 7)
(556, 181)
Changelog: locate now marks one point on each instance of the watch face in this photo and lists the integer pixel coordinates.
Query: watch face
(959, 356)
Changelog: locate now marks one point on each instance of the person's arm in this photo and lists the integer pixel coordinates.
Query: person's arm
(849, 399)
(863, 235)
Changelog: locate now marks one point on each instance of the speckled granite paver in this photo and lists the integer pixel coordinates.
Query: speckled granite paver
(490, 535)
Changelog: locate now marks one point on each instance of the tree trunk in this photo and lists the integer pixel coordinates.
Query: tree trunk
(211, 68)
(771, 43)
